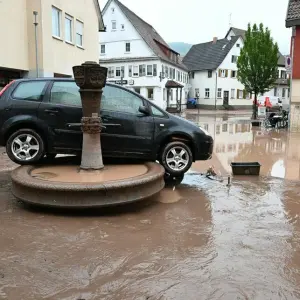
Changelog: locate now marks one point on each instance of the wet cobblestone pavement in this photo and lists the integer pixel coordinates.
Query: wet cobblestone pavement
(198, 240)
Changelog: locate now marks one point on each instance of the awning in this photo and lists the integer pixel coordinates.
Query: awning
(173, 84)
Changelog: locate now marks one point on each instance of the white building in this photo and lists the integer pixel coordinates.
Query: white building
(213, 71)
(137, 57)
(281, 89)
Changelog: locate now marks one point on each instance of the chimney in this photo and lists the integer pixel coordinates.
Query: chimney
(215, 39)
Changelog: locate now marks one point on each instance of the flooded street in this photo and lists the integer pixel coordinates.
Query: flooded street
(198, 240)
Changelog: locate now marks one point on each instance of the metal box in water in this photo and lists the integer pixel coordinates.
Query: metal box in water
(246, 168)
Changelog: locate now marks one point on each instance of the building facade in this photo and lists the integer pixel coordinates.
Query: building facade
(137, 57)
(281, 88)
(213, 74)
(293, 21)
(67, 35)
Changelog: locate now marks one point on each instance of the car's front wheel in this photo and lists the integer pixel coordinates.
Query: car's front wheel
(176, 158)
(25, 147)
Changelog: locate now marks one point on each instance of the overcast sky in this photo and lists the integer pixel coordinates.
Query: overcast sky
(197, 21)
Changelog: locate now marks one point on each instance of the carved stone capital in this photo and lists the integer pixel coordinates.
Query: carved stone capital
(90, 75)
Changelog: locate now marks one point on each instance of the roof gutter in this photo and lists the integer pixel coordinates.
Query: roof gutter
(292, 23)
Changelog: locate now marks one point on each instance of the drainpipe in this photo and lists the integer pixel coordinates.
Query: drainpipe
(35, 13)
(216, 89)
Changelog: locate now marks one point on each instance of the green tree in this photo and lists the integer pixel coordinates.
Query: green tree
(257, 63)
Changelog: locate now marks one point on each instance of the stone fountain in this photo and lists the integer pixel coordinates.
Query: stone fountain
(91, 184)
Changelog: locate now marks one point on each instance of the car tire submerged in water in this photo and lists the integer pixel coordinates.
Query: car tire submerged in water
(25, 147)
(176, 158)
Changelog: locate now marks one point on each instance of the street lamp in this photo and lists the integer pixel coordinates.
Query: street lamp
(35, 13)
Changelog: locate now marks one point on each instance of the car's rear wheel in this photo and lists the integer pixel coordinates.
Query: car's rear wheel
(25, 147)
(176, 158)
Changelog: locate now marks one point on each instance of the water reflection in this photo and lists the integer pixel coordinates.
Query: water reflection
(237, 141)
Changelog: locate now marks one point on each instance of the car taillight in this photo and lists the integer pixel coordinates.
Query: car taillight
(6, 87)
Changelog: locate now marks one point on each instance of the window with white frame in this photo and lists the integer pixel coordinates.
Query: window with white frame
(166, 72)
(118, 71)
(275, 91)
(103, 49)
(223, 73)
(150, 93)
(111, 72)
(127, 47)
(56, 20)
(283, 93)
(68, 28)
(114, 25)
(207, 93)
(149, 70)
(234, 59)
(232, 93)
(135, 71)
(219, 95)
(241, 94)
(79, 33)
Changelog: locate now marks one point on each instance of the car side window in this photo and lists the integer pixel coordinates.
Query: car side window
(157, 112)
(65, 93)
(120, 100)
(29, 90)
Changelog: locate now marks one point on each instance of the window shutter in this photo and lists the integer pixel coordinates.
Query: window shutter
(231, 74)
(144, 70)
(220, 72)
(130, 71)
(140, 70)
(244, 94)
(226, 73)
(237, 94)
(154, 70)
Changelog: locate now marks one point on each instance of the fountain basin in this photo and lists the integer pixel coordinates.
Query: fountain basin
(69, 187)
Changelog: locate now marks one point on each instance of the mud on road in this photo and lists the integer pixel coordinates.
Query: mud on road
(201, 240)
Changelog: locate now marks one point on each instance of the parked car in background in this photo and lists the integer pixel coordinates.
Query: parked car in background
(41, 117)
(270, 102)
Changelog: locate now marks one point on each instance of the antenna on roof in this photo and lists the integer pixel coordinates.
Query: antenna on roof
(230, 24)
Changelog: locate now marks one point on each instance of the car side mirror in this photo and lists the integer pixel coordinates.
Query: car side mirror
(144, 110)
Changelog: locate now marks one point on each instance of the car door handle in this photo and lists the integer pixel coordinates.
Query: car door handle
(51, 111)
(106, 118)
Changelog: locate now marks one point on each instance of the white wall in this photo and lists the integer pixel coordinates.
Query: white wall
(145, 82)
(228, 83)
(201, 81)
(115, 40)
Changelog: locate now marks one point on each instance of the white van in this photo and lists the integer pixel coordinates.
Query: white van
(270, 101)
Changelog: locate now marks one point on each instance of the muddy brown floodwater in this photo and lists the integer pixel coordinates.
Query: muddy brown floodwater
(199, 240)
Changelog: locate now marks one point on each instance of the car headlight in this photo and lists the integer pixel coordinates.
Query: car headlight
(205, 131)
